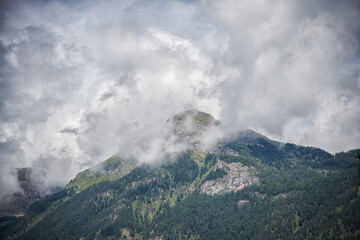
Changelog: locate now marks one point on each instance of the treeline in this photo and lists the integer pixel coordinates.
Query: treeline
(303, 194)
(307, 208)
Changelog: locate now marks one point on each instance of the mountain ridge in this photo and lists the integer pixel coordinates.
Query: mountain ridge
(249, 187)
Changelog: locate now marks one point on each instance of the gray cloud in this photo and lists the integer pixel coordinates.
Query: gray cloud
(70, 130)
(82, 81)
(294, 68)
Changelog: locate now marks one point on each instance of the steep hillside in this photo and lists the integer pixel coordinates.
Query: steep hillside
(190, 126)
(29, 192)
(109, 170)
(249, 187)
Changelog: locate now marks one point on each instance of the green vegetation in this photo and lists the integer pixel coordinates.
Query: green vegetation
(218, 173)
(245, 159)
(308, 201)
(87, 178)
(199, 118)
(109, 170)
(304, 193)
(203, 118)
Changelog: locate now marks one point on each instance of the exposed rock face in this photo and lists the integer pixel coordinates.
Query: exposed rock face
(191, 124)
(125, 234)
(242, 202)
(238, 176)
(226, 151)
(17, 203)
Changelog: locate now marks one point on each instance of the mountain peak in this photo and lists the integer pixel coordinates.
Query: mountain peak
(120, 199)
(191, 124)
(199, 118)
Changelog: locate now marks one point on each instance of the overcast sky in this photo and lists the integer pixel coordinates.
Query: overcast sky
(82, 80)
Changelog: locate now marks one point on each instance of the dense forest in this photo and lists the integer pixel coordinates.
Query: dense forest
(303, 193)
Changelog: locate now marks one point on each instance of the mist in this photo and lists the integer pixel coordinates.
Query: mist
(80, 82)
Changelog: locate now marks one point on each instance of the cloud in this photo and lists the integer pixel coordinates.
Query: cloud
(78, 88)
(82, 81)
(293, 68)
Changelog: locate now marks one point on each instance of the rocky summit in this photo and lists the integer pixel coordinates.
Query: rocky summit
(189, 126)
(244, 187)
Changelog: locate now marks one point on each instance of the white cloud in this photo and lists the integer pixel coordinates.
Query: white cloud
(82, 81)
(292, 59)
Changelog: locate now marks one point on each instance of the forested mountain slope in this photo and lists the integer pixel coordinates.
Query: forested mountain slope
(249, 187)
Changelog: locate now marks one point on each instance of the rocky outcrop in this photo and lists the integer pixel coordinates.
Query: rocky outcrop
(17, 203)
(242, 202)
(238, 176)
(226, 151)
(190, 125)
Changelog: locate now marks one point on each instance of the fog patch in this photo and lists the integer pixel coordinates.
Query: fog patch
(82, 81)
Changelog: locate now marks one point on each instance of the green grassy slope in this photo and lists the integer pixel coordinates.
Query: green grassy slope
(304, 193)
(109, 170)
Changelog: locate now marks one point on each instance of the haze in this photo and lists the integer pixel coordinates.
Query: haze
(80, 81)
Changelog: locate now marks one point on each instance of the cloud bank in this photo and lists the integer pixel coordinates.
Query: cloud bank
(82, 81)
